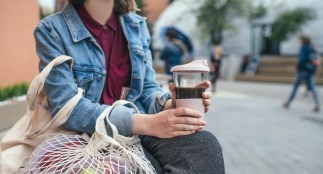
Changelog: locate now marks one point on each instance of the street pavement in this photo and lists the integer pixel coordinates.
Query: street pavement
(259, 136)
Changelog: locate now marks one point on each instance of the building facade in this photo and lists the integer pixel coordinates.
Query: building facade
(17, 47)
(249, 35)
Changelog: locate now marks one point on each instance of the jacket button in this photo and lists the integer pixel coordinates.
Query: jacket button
(100, 78)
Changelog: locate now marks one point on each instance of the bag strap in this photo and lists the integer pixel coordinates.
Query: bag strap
(61, 116)
(36, 94)
(100, 127)
(37, 84)
(59, 119)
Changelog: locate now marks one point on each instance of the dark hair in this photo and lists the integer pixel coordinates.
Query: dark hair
(305, 40)
(171, 34)
(120, 6)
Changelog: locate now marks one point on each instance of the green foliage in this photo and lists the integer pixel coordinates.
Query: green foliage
(214, 16)
(290, 22)
(13, 91)
(41, 13)
(258, 12)
(140, 5)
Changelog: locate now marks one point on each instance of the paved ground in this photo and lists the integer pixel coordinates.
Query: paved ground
(259, 136)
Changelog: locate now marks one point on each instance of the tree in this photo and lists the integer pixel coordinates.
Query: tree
(290, 22)
(215, 16)
(140, 5)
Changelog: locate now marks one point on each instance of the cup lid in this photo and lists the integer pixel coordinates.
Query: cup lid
(196, 65)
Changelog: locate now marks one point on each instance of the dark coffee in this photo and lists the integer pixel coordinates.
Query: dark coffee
(186, 93)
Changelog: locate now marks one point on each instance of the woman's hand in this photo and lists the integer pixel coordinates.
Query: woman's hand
(169, 123)
(205, 95)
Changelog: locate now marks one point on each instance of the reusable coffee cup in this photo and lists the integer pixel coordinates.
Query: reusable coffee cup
(189, 82)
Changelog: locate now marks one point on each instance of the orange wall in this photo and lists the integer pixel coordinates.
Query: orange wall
(153, 8)
(18, 59)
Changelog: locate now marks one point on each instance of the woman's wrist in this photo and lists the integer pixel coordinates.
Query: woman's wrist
(168, 104)
(141, 124)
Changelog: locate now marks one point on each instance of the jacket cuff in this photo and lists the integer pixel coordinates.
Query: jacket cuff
(159, 102)
(121, 117)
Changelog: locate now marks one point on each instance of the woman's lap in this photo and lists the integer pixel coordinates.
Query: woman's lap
(196, 153)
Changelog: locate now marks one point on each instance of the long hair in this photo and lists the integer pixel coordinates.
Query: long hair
(120, 6)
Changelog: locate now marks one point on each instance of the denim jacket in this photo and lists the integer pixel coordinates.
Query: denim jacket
(63, 33)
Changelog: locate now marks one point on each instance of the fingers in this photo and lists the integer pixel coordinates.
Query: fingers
(172, 90)
(179, 112)
(205, 84)
(206, 95)
(189, 121)
(171, 87)
(207, 100)
(185, 127)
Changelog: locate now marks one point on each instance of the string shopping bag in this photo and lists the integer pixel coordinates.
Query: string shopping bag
(101, 154)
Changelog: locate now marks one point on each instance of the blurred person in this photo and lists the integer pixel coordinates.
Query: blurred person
(306, 69)
(173, 51)
(215, 66)
(109, 45)
(252, 65)
(244, 63)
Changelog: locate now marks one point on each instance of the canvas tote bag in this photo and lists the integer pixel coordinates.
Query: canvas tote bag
(36, 125)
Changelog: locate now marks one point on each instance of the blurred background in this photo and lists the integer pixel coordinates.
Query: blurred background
(253, 49)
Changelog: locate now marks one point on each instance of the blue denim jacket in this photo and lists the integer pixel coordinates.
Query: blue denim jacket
(63, 33)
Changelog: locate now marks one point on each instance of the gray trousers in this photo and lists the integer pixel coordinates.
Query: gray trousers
(199, 153)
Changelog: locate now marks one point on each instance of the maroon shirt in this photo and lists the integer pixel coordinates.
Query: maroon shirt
(115, 47)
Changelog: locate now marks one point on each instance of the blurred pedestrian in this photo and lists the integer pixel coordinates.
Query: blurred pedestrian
(173, 51)
(306, 69)
(215, 66)
(245, 62)
(252, 64)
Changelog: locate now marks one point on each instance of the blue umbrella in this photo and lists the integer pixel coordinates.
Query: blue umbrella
(181, 36)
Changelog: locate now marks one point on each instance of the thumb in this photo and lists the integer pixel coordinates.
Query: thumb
(172, 90)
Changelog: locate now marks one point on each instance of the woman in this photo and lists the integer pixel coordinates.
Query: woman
(173, 51)
(305, 71)
(109, 44)
(216, 57)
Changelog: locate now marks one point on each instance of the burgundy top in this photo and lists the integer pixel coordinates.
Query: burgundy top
(115, 47)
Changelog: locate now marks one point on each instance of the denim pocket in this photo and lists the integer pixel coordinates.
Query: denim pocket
(83, 79)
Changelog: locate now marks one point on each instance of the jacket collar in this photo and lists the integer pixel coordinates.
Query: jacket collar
(79, 31)
(74, 23)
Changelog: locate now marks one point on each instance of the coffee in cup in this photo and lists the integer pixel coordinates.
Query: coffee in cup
(189, 82)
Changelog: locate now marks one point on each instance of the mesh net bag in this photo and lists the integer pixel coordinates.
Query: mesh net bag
(101, 154)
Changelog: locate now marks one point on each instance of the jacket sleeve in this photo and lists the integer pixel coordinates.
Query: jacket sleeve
(153, 97)
(59, 87)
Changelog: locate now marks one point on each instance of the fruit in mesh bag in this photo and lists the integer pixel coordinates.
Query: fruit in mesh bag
(50, 159)
(116, 165)
(88, 171)
(86, 164)
(56, 157)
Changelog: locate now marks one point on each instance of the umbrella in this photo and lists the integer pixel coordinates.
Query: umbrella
(181, 36)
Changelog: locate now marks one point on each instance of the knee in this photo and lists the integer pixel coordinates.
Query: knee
(206, 140)
(203, 153)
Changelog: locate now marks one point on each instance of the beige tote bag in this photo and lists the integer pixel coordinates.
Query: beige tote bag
(36, 125)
